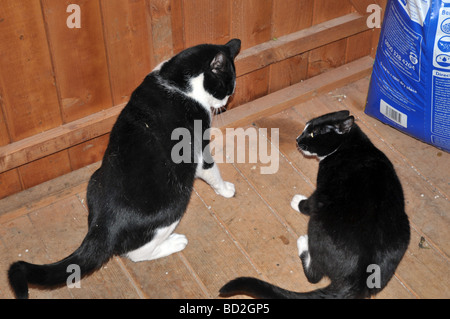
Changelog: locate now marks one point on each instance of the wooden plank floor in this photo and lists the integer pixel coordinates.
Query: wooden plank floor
(252, 234)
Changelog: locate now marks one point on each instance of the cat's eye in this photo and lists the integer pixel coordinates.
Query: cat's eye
(311, 134)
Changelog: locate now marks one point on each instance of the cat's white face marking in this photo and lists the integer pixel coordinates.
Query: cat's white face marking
(306, 127)
(306, 153)
(321, 158)
(199, 94)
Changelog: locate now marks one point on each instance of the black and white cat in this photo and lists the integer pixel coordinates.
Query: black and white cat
(139, 194)
(357, 216)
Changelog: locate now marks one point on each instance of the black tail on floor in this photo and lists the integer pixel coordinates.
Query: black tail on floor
(91, 255)
(261, 289)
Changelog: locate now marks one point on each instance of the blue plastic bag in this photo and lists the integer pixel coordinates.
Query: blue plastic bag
(410, 83)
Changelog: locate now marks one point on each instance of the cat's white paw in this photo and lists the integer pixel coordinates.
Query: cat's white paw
(302, 244)
(175, 243)
(227, 190)
(296, 200)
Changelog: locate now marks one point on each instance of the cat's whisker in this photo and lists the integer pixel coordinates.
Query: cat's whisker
(217, 117)
(220, 116)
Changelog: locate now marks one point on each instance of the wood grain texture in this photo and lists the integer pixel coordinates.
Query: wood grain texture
(14, 155)
(29, 98)
(4, 134)
(206, 21)
(290, 16)
(161, 30)
(177, 23)
(331, 55)
(88, 152)
(297, 93)
(361, 5)
(129, 45)
(57, 139)
(9, 183)
(359, 45)
(251, 21)
(79, 59)
(298, 42)
(45, 169)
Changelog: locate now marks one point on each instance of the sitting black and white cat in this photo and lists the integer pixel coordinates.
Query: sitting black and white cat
(357, 216)
(139, 194)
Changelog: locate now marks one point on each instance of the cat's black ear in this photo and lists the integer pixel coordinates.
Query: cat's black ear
(234, 45)
(346, 125)
(218, 63)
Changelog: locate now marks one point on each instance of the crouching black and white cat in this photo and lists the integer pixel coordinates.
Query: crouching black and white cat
(357, 227)
(140, 192)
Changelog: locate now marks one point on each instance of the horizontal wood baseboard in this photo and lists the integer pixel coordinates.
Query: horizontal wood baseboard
(49, 142)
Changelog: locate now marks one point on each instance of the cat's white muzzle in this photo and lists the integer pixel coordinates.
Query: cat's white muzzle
(217, 104)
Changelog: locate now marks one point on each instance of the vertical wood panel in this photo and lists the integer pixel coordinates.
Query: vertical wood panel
(331, 55)
(325, 10)
(79, 58)
(129, 45)
(249, 87)
(290, 16)
(30, 101)
(9, 183)
(327, 57)
(10, 180)
(359, 45)
(4, 134)
(161, 29)
(206, 21)
(177, 19)
(288, 72)
(251, 23)
(361, 5)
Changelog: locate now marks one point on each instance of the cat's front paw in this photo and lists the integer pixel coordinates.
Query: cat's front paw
(227, 190)
(296, 201)
(176, 243)
(302, 244)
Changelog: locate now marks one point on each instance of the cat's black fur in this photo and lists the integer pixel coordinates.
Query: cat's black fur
(139, 189)
(357, 215)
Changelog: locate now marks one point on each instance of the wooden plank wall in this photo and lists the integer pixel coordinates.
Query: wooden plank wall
(52, 75)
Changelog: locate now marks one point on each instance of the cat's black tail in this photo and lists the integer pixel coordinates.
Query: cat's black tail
(91, 255)
(261, 289)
